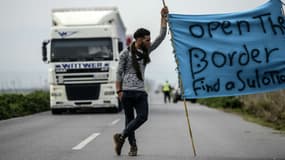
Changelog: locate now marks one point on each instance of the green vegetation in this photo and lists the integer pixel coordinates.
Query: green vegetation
(14, 105)
(221, 102)
(267, 109)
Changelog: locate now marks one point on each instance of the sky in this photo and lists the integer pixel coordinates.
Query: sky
(25, 24)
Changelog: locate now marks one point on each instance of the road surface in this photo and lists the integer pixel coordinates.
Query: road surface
(217, 136)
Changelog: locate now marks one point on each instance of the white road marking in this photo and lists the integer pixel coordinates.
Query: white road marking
(115, 122)
(86, 141)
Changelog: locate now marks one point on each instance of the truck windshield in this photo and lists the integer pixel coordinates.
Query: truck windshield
(66, 50)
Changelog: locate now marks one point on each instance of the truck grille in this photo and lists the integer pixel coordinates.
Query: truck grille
(82, 70)
(82, 91)
(79, 78)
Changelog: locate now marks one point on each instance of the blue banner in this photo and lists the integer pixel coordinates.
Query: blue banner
(230, 54)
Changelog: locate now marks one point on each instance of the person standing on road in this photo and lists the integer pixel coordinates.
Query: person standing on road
(166, 88)
(130, 83)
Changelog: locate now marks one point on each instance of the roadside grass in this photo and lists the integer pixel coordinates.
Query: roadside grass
(267, 109)
(15, 105)
(251, 118)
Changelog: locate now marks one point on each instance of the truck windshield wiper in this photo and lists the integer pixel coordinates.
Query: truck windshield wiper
(90, 58)
(70, 59)
(64, 59)
(93, 58)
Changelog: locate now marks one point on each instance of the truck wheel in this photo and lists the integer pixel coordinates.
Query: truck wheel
(175, 99)
(56, 111)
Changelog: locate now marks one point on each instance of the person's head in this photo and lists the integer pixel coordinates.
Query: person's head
(142, 37)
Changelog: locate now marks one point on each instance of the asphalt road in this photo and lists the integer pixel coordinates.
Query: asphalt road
(217, 136)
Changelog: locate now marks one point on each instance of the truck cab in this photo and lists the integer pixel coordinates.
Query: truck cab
(82, 54)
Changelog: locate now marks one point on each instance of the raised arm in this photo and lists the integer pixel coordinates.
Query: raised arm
(163, 29)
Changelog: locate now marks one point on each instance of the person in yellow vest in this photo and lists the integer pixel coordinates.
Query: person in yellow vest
(166, 91)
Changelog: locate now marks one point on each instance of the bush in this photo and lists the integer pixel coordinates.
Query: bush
(268, 106)
(221, 102)
(14, 105)
(37, 101)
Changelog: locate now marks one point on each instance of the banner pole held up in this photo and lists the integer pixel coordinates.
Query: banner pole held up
(189, 128)
(188, 120)
(186, 111)
(164, 5)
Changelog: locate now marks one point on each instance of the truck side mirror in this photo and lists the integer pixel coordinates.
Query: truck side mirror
(44, 50)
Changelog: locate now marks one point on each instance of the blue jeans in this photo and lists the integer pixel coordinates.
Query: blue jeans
(134, 101)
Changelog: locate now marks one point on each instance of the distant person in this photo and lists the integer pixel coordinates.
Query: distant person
(166, 89)
(130, 83)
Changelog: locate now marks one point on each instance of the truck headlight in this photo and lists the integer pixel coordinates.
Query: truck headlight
(108, 93)
(56, 94)
(59, 79)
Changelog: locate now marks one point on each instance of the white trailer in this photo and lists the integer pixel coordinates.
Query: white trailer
(83, 56)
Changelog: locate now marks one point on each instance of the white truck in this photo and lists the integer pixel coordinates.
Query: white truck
(83, 56)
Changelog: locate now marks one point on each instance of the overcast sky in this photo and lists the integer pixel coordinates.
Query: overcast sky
(24, 24)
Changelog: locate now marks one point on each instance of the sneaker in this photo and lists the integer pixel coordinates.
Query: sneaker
(119, 141)
(133, 150)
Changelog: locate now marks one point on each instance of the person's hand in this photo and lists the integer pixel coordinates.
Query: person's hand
(164, 12)
(120, 95)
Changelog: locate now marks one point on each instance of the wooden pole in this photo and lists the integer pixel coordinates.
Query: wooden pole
(189, 128)
(188, 120)
(186, 109)
(164, 5)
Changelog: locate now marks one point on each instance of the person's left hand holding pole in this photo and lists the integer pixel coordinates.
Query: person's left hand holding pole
(164, 14)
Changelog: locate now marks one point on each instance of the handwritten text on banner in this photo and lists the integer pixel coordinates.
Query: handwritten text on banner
(230, 54)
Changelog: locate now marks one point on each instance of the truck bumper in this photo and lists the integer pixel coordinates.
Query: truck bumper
(86, 104)
(76, 97)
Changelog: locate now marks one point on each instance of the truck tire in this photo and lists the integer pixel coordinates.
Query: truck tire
(56, 111)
